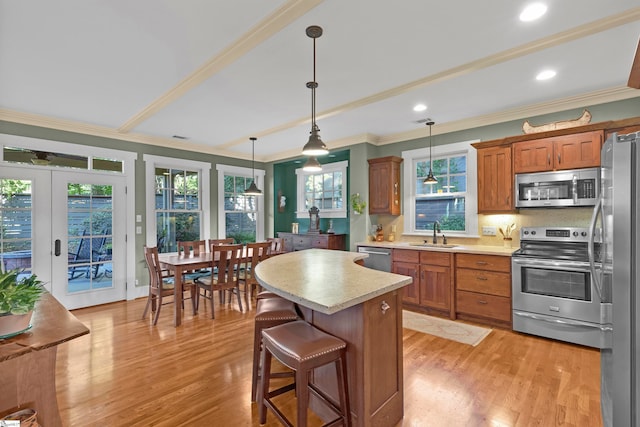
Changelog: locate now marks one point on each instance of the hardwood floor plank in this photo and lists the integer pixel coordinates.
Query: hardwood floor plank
(127, 372)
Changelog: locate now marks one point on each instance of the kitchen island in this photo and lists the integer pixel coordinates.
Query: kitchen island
(362, 307)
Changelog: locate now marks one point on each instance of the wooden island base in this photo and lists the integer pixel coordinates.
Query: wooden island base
(361, 306)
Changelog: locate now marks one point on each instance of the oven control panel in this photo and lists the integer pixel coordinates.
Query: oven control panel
(558, 234)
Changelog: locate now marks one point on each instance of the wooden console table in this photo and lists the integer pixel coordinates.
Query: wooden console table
(28, 361)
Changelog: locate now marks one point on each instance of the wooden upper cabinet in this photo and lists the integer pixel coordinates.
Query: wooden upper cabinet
(384, 185)
(495, 180)
(574, 151)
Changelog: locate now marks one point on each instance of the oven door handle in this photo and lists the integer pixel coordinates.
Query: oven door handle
(549, 263)
(558, 321)
(597, 209)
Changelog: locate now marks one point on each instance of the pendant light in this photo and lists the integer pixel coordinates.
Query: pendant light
(253, 190)
(315, 146)
(312, 165)
(430, 179)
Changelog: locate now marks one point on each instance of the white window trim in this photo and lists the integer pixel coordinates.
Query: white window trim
(301, 174)
(258, 176)
(471, 198)
(151, 163)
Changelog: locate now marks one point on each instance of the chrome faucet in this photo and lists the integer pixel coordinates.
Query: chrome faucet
(436, 226)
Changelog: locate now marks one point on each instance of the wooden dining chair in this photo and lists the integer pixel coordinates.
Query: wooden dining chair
(256, 253)
(227, 241)
(192, 248)
(160, 286)
(223, 277)
(276, 246)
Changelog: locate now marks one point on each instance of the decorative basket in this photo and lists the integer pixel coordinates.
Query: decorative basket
(27, 417)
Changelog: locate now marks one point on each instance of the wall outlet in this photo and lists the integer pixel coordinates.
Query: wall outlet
(488, 230)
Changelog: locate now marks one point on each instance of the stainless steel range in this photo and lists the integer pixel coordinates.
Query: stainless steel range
(554, 291)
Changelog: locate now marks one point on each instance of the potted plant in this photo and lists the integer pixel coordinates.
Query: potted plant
(18, 297)
(357, 204)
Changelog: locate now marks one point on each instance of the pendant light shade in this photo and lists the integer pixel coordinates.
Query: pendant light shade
(253, 189)
(312, 165)
(430, 179)
(314, 146)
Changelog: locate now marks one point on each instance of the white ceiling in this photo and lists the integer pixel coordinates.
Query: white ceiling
(219, 72)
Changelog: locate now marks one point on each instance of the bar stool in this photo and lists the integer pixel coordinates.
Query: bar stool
(302, 347)
(271, 310)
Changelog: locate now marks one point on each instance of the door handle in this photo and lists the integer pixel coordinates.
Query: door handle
(57, 247)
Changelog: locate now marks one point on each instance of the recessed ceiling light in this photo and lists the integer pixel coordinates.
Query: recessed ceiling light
(419, 107)
(546, 75)
(533, 12)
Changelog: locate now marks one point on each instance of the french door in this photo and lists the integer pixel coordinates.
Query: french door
(68, 228)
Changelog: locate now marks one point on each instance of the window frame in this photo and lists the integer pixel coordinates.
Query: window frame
(258, 176)
(203, 168)
(302, 212)
(411, 157)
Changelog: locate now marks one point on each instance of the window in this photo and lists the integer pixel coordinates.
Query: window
(177, 201)
(240, 216)
(452, 201)
(326, 190)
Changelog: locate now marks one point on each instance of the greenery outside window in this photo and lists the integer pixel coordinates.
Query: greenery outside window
(451, 201)
(177, 201)
(240, 216)
(326, 190)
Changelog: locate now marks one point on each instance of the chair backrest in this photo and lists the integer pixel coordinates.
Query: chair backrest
(227, 260)
(257, 252)
(153, 264)
(192, 247)
(217, 242)
(277, 245)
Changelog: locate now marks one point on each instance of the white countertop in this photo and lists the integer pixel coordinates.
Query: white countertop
(469, 249)
(325, 280)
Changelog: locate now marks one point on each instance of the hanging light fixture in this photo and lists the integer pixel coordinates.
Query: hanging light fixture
(315, 146)
(312, 165)
(253, 190)
(430, 179)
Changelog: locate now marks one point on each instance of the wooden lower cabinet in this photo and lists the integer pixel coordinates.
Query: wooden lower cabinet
(299, 242)
(483, 288)
(432, 287)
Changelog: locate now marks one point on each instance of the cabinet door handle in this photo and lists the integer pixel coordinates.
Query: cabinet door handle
(483, 302)
(384, 307)
(482, 262)
(422, 275)
(549, 159)
(481, 278)
(558, 158)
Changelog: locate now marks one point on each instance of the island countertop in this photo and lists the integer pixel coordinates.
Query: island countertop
(326, 281)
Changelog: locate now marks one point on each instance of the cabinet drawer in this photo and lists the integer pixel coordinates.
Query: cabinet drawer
(301, 243)
(486, 282)
(319, 242)
(435, 258)
(405, 255)
(490, 306)
(484, 262)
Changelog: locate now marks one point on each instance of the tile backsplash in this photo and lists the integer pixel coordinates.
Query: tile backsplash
(567, 217)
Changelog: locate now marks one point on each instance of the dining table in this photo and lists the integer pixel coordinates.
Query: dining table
(177, 264)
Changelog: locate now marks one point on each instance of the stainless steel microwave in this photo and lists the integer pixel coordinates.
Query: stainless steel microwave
(576, 187)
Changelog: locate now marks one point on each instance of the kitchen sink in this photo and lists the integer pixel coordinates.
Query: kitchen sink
(431, 245)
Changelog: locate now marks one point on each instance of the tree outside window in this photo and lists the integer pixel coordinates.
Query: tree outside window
(240, 210)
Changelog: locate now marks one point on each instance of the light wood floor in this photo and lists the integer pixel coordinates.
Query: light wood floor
(127, 372)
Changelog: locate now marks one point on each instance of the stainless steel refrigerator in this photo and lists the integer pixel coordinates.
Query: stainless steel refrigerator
(618, 279)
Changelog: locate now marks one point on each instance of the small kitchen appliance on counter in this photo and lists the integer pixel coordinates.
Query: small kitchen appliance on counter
(554, 292)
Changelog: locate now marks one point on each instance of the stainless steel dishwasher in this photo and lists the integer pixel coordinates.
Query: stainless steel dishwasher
(378, 259)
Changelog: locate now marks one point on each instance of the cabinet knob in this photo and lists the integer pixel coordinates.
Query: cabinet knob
(384, 307)
(395, 188)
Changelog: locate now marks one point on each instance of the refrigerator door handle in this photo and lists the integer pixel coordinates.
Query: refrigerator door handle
(597, 209)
